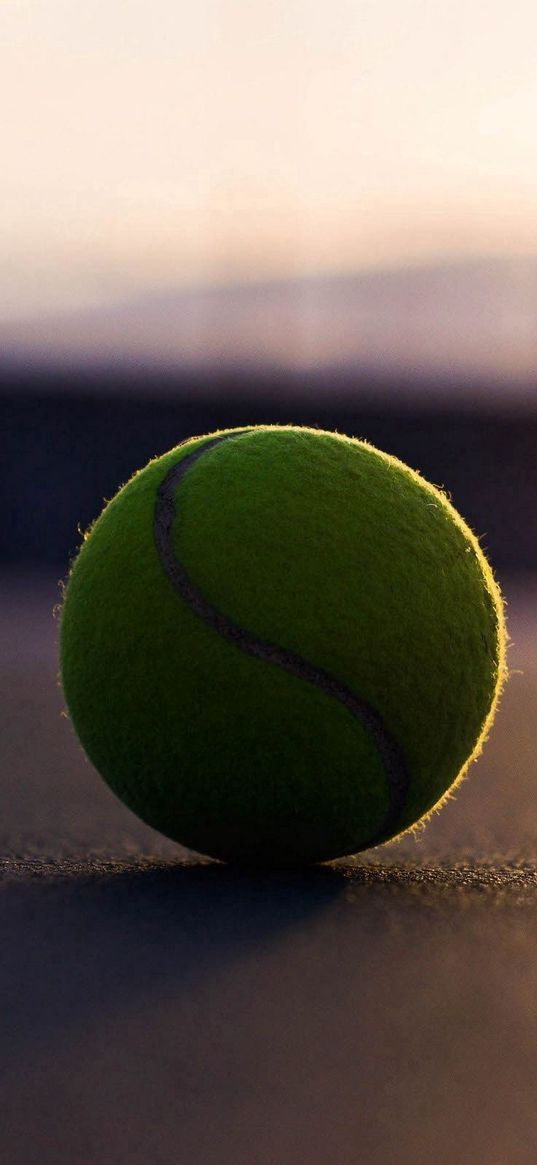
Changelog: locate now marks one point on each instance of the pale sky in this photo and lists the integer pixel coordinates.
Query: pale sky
(157, 143)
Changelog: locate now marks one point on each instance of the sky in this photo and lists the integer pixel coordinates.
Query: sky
(161, 144)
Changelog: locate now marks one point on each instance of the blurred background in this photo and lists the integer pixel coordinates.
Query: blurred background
(227, 213)
(223, 213)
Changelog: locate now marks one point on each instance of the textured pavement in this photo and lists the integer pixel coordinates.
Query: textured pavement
(160, 1009)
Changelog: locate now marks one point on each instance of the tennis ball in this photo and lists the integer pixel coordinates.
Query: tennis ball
(280, 645)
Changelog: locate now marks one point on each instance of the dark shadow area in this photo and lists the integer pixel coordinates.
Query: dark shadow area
(89, 935)
(83, 939)
(195, 1013)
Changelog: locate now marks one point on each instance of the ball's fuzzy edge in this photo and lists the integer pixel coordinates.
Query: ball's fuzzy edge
(502, 675)
(492, 584)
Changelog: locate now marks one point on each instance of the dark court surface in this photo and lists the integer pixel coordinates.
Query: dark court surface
(158, 1009)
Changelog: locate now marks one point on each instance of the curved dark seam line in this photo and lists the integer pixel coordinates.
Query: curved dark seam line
(387, 747)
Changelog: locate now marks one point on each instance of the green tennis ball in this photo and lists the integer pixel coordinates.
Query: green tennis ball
(281, 645)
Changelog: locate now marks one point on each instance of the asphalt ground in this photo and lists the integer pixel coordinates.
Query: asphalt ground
(158, 1008)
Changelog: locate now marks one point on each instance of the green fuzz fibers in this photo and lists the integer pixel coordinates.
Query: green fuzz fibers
(281, 646)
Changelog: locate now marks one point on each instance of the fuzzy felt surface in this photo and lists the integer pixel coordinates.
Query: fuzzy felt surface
(337, 553)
